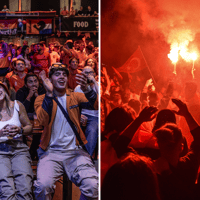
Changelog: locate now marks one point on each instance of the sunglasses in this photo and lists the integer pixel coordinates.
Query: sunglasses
(57, 66)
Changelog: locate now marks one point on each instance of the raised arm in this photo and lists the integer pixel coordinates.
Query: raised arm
(125, 137)
(183, 111)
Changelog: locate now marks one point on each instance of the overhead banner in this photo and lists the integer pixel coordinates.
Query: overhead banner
(8, 27)
(39, 26)
(79, 24)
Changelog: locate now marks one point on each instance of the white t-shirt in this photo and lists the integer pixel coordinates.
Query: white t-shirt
(62, 135)
(94, 113)
(54, 57)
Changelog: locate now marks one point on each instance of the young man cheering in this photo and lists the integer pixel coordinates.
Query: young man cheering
(59, 150)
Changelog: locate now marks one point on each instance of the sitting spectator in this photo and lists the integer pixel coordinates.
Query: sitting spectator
(16, 172)
(17, 80)
(73, 70)
(91, 129)
(27, 95)
(131, 178)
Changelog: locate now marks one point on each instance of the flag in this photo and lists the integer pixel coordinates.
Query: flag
(135, 63)
(39, 26)
(137, 70)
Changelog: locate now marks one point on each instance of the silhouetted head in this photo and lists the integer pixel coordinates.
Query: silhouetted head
(119, 118)
(130, 178)
(163, 117)
(170, 139)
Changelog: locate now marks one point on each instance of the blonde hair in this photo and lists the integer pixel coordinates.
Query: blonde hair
(8, 109)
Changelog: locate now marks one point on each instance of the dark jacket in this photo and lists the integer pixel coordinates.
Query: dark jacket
(22, 94)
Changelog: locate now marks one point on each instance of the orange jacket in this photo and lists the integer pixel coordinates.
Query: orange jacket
(46, 107)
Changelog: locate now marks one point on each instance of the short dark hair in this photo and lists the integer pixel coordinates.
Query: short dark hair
(40, 44)
(29, 75)
(21, 59)
(53, 70)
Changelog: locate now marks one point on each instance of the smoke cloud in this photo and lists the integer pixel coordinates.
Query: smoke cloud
(156, 25)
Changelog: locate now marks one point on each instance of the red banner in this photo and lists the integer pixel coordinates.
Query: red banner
(39, 26)
(135, 63)
(8, 27)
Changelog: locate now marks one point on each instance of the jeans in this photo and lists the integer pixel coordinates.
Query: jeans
(75, 163)
(91, 133)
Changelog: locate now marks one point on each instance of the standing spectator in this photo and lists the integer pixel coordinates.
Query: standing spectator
(73, 70)
(80, 12)
(5, 8)
(64, 12)
(5, 58)
(33, 51)
(44, 45)
(41, 60)
(25, 55)
(90, 12)
(19, 50)
(25, 42)
(54, 55)
(67, 52)
(81, 55)
(17, 80)
(72, 11)
(91, 131)
(13, 68)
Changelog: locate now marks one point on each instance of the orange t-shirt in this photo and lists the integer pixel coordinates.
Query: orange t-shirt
(16, 82)
(5, 62)
(43, 60)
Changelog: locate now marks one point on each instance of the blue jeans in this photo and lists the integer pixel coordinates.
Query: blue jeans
(91, 133)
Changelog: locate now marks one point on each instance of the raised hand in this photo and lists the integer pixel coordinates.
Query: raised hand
(183, 110)
(32, 92)
(46, 83)
(82, 81)
(148, 114)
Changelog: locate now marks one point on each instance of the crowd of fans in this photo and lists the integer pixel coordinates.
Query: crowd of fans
(20, 67)
(79, 13)
(150, 144)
